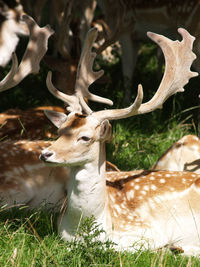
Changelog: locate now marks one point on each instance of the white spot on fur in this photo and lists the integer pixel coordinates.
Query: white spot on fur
(153, 187)
(137, 187)
(130, 194)
(117, 208)
(162, 181)
(146, 187)
(112, 198)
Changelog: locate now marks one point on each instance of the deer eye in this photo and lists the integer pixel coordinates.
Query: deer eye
(84, 138)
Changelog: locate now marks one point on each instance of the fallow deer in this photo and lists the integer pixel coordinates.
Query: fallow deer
(183, 155)
(151, 208)
(11, 27)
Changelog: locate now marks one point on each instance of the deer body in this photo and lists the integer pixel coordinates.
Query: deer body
(25, 181)
(15, 124)
(153, 211)
(183, 155)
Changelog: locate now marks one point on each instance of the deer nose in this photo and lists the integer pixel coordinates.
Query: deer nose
(45, 155)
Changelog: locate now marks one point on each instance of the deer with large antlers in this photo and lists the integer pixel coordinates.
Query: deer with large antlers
(150, 208)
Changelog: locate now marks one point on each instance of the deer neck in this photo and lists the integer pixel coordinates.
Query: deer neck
(86, 194)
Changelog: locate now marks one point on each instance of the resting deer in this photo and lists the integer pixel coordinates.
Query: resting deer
(150, 208)
(183, 155)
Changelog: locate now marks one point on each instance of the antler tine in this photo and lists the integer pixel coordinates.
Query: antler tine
(178, 60)
(30, 63)
(85, 74)
(71, 100)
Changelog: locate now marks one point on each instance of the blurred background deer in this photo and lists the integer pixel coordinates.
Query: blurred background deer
(11, 27)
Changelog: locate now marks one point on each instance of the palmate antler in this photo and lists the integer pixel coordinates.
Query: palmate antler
(30, 63)
(178, 60)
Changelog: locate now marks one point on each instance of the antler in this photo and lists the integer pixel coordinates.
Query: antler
(84, 78)
(178, 60)
(30, 63)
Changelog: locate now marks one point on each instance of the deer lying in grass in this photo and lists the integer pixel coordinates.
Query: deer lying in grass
(151, 208)
(183, 155)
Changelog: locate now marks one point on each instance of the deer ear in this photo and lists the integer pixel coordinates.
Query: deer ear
(57, 118)
(105, 131)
